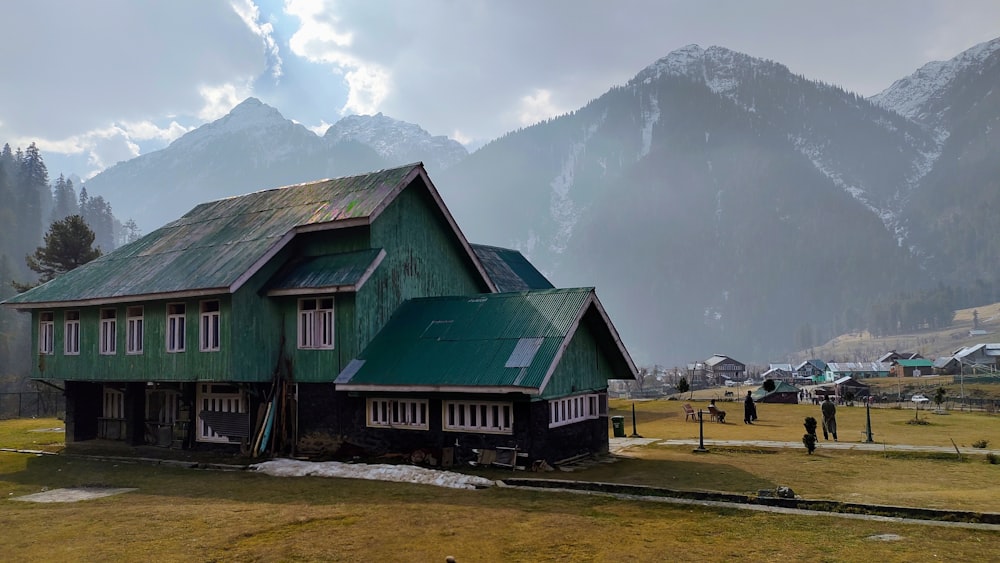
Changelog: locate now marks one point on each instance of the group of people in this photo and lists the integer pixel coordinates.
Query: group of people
(829, 411)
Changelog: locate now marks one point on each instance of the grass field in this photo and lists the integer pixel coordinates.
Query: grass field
(185, 515)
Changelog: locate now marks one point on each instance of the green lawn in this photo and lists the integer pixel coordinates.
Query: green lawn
(185, 515)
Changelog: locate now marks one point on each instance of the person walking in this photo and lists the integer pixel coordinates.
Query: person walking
(749, 410)
(829, 419)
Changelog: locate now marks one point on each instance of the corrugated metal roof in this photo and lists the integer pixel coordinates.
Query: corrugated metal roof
(483, 334)
(215, 243)
(509, 269)
(322, 272)
(915, 363)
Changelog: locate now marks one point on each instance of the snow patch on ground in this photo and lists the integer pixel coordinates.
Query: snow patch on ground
(74, 494)
(372, 472)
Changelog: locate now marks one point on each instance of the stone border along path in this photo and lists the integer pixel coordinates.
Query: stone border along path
(931, 517)
(622, 444)
(588, 488)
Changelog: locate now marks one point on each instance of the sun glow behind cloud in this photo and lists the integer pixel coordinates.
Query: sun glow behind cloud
(320, 39)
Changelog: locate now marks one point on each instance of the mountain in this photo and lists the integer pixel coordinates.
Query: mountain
(255, 147)
(953, 213)
(397, 141)
(720, 203)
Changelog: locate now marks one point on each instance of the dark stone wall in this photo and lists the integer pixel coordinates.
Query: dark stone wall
(343, 415)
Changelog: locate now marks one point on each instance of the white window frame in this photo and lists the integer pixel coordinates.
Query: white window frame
(109, 332)
(169, 398)
(407, 414)
(485, 417)
(176, 327)
(113, 404)
(133, 330)
(71, 333)
(570, 410)
(46, 333)
(315, 324)
(209, 336)
(217, 397)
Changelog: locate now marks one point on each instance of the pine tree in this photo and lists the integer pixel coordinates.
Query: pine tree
(68, 245)
(64, 203)
(33, 194)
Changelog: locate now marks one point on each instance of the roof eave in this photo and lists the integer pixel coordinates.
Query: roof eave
(475, 389)
(350, 288)
(121, 299)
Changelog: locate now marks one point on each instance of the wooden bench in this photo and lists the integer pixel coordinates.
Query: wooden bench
(716, 414)
(689, 413)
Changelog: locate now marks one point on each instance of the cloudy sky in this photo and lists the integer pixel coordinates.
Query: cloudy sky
(93, 83)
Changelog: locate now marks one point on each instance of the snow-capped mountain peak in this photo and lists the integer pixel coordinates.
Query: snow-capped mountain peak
(397, 141)
(913, 96)
(719, 68)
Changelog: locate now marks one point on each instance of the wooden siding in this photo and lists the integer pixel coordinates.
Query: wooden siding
(584, 367)
(153, 364)
(423, 259)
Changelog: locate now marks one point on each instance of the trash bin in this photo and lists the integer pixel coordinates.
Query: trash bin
(618, 425)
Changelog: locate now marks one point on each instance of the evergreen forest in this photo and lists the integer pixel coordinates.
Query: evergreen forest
(29, 204)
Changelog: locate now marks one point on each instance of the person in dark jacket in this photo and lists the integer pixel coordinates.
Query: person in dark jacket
(829, 419)
(749, 410)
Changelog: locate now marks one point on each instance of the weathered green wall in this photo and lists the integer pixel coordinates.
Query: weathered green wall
(583, 367)
(423, 259)
(154, 364)
(260, 321)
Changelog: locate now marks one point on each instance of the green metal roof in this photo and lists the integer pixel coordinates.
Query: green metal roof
(344, 271)
(509, 269)
(779, 387)
(217, 245)
(920, 363)
(501, 342)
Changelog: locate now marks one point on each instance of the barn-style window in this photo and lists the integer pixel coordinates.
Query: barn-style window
(71, 333)
(486, 417)
(410, 414)
(109, 331)
(176, 327)
(209, 326)
(316, 323)
(46, 333)
(573, 409)
(133, 330)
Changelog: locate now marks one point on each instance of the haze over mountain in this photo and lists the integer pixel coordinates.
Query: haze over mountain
(254, 147)
(720, 203)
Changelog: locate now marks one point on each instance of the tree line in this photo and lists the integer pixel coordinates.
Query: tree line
(30, 206)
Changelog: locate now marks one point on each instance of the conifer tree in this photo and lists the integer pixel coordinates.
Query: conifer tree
(68, 245)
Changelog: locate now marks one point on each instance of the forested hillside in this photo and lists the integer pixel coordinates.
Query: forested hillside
(29, 203)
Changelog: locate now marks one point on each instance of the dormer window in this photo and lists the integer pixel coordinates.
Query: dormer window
(316, 324)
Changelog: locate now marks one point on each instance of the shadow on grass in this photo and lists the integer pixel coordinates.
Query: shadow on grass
(35, 473)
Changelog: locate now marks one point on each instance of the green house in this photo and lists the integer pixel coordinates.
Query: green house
(292, 316)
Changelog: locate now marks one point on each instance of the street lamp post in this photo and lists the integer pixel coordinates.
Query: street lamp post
(701, 435)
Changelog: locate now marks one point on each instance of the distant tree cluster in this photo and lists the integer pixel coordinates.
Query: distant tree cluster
(31, 207)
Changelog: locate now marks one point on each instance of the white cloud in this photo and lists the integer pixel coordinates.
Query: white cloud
(536, 107)
(321, 39)
(250, 14)
(218, 100)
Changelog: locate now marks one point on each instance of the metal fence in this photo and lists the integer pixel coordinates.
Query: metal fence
(32, 404)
